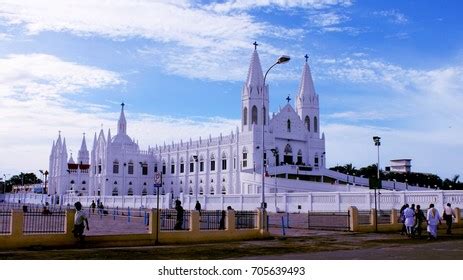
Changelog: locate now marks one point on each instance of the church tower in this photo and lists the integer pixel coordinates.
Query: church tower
(307, 106)
(254, 90)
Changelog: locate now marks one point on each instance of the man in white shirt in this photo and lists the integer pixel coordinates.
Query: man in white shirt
(79, 218)
(433, 219)
(448, 216)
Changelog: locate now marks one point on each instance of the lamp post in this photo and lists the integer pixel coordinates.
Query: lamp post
(394, 184)
(195, 157)
(377, 141)
(281, 60)
(406, 184)
(275, 154)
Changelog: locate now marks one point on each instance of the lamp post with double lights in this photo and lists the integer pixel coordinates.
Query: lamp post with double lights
(377, 141)
(281, 60)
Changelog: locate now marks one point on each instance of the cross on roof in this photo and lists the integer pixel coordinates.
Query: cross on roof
(306, 57)
(255, 45)
(122, 104)
(288, 98)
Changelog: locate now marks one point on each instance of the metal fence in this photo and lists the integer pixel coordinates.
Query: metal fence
(212, 220)
(44, 222)
(245, 219)
(5, 222)
(328, 220)
(170, 222)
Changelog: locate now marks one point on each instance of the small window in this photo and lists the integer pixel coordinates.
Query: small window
(163, 168)
(130, 168)
(254, 115)
(192, 166)
(115, 192)
(130, 192)
(115, 167)
(144, 192)
(245, 116)
(182, 167)
(288, 125)
(172, 169)
(144, 169)
(315, 124)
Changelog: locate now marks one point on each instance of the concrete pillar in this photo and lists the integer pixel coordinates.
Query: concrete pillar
(154, 221)
(262, 220)
(373, 216)
(457, 215)
(353, 218)
(17, 220)
(70, 221)
(231, 221)
(194, 221)
(394, 216)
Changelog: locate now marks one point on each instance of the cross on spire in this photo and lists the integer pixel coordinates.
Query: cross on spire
(122, 104)
(255, 45)
(288, 98)
(306, 57)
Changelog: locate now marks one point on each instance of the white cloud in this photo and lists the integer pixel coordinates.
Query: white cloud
(328, 19)
(237, 5)
(393, 16)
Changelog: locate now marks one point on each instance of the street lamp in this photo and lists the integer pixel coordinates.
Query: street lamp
(376, 140)
(394, 183)
(281, 60)
(406, 184)
(275, 154)
(195, 157)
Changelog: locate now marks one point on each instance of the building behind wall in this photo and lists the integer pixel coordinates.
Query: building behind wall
(208, 165)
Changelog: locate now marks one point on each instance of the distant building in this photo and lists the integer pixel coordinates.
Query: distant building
(400, 165)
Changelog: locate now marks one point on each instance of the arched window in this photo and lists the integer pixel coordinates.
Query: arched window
(115, 167)
(245, 157)
(201, 163)
(72, 182)
(83, 182)
(224, 190)
(299, 158)
(315, 124)
(315, 161)
(180, 190)
(212, 162)
(130, 183)
(264, 117)
(288, 125)
(212, 190)
(172, 167)
(130, 168)
(115, 192)
(254, 115)
(182, 166)
(190, 191)
(245, 116)
(201, 191)
(224, 161)
(130, 191)
(115, 182)
(163, 191)
(144, 192)
(192, 164)
(163, 167)
(307, 123)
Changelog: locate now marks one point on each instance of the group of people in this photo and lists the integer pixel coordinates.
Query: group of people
(413, 217)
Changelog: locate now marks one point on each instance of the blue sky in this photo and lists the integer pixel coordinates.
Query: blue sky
(388, 68)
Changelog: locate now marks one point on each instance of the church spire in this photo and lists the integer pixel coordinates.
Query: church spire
(122, 123)
(83, 156)
(255, 75)
(306, 95)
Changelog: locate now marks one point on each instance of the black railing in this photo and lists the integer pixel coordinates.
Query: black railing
(245, 219)
(328, 220)
(5, 222)
(44, 222)
(212, 220)
(169, 221)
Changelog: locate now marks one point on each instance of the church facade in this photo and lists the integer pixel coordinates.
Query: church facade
(226, 164)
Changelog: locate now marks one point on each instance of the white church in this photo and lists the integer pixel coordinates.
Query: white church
(294, 154)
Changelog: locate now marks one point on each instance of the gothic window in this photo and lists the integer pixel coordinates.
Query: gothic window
(155, 168)
(234, 162)
(144, 169)
(99, 166)
(315, 124)
(299, 157)
(201, 164)
(254, 115)
(144, 192)
(245, 116)
(316, 160)
(180, 190)
(224, 190)
(83, 182)
(192, 164)
(201, 191)
(224, 161)
(190, 192)
(115, 182)
(182, 166)
(263, 116)
(115, 167)
(245, 157)
(172, 167)
(307, 123)
(115, 192)
(130, 168)
(163, 167)
(288, 125)
(212, 190)
(212, 162)
(130, 183)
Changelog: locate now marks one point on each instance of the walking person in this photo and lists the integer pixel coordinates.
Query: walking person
(419, 219)
(402, 219)
(198, 207)
(409, 214)
(179, 220)
(433, 219)
(79, 219)
(93, 206)
(448, 216)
